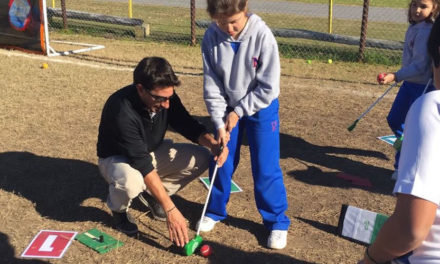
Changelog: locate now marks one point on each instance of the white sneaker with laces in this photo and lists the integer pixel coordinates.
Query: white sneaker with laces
(277, 239)
(207, 224)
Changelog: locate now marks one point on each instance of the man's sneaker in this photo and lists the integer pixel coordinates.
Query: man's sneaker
(154, 206)
(394, 176)
(207, 224)
(277, 239)
(123, 223)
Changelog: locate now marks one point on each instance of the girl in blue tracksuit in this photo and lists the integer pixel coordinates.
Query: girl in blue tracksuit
(416, 69)
(241, 87)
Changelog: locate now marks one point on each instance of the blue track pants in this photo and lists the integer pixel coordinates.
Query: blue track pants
(406, 96)
(262, 130)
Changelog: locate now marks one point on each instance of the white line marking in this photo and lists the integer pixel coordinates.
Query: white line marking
(59, 60)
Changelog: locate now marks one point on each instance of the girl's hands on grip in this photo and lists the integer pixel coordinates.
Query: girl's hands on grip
(223, 137)
(221, 154)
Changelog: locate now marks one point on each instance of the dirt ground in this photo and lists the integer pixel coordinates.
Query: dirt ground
(49, 178)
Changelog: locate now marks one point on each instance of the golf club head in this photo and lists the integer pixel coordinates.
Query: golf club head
(192, 245)
(352, 126)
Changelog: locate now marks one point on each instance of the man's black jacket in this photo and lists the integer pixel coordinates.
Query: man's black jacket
(126, 127)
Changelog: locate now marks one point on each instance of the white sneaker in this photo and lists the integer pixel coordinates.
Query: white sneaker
(394, 176)
(207, 224)
(277, 239)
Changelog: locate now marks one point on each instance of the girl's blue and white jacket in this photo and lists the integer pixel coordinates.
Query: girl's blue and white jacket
(243, 73)
(416, 63)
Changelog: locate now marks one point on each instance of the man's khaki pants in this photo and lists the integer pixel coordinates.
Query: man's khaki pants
(176, 163)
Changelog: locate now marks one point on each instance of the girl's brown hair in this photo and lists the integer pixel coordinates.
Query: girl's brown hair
(226, 7)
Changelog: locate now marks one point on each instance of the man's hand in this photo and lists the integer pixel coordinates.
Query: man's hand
(231, 121)
(214, 145)
(177, 227)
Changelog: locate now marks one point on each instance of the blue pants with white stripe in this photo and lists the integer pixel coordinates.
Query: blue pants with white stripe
(262, 130)
(406, 96)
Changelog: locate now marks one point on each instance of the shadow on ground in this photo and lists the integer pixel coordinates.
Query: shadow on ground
(323, 227)
(56, 186)
(8, 254)
(224, 254)
(305, 152)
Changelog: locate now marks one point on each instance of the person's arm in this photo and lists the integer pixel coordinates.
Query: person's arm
(388, 78)
(186, 125)
(182, 122)
(214, 94)
(126, 125)
(420, 60)
(177, 225)
(267, 79)
(209, 141)
(404, 231)
(416, 187)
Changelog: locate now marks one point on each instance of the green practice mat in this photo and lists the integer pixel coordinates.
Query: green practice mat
(234, 187)
(98, 241)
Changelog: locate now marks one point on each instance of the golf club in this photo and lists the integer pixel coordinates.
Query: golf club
(352, 126)
(426, 87)
(194, 243)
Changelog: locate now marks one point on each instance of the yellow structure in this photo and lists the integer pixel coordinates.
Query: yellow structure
(330, 16)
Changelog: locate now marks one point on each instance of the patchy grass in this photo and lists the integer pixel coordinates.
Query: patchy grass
(49, 180)
(176, 28)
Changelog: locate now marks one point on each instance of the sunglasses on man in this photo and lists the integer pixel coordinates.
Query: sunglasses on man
(159, 99)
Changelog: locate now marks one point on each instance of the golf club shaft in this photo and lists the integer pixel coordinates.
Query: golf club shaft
(375, 102)
(426, 87)
(207, 197)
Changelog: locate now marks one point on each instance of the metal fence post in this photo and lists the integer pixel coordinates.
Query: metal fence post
(193, 22)
(363, 38)
(63, 10)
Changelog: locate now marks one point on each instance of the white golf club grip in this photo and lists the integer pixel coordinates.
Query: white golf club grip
(207, 197)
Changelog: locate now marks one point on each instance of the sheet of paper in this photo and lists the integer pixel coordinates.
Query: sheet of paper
(49, 244)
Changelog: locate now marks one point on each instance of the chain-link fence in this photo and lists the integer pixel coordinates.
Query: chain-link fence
(303, 30)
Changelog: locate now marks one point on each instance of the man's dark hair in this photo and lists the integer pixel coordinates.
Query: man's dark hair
(154, 72)
(434, 43)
